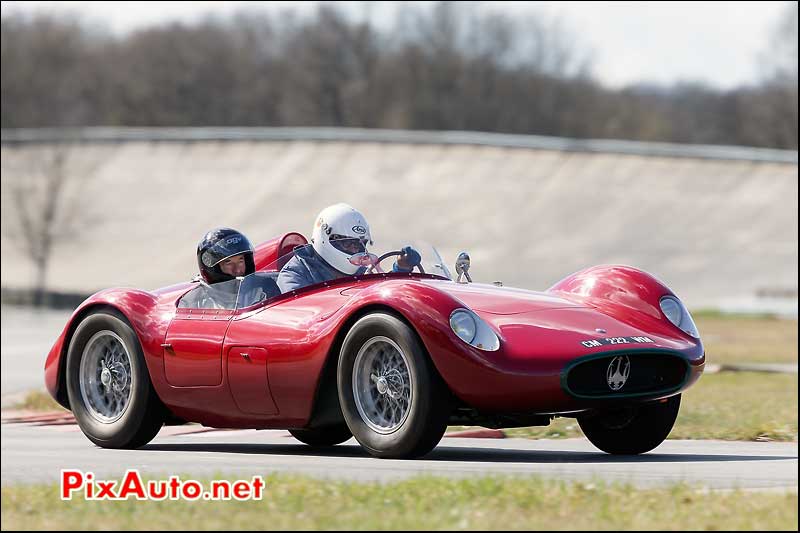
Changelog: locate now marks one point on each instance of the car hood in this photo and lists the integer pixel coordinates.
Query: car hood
(502, 300)
(551, 339)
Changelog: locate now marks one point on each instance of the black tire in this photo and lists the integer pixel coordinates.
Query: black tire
(143, 415)
(632, 430)
(429, 409)
(323, 437)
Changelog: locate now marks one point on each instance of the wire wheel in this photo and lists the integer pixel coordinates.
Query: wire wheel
(105, 377)
(392, 398)
(382, 385)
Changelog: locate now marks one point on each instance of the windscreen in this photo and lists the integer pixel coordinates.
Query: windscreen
(303, 267)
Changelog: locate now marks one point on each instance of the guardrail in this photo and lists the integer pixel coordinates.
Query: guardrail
(535, 142)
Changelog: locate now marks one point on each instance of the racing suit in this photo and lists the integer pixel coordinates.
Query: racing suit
(307, 268)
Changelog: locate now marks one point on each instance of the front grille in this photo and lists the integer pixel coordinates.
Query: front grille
(648, 373)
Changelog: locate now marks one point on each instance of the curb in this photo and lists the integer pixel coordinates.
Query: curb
(66, 418)
(54, 418)
(63, 418)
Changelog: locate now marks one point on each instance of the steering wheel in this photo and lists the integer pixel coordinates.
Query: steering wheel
(384, 256)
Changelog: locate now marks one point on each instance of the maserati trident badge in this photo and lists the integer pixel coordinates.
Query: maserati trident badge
(618, 371)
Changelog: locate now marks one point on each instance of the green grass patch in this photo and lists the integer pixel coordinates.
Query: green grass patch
(726, 406)
(748, 339)
(38, 400)
(292, 503)
(716, 313)
(739, 406)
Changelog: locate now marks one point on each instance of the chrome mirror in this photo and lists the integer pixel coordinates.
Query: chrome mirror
(462, 267)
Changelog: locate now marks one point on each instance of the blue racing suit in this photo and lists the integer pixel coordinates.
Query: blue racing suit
(307, 268)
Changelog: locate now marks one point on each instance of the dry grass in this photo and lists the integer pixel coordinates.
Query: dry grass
(38, 400)
(748, 339)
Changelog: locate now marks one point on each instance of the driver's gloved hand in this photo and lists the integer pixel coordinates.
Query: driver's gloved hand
(407, 261)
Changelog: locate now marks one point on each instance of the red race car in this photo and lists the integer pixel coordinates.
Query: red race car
(390, 358)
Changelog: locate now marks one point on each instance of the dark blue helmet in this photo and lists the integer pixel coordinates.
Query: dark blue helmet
(219, 244)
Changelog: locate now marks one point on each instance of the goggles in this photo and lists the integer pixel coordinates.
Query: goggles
(349, 245)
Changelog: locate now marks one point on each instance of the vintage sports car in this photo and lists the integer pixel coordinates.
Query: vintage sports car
(388, 358)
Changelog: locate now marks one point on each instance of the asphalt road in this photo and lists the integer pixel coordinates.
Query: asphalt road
(37, 453)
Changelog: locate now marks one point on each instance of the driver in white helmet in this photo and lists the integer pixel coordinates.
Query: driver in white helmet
(340, 232)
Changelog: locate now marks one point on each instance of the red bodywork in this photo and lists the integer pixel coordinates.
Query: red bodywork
(205, 377)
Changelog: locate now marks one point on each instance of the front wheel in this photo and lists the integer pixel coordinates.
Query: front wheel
(631, 430)
(108, 384)
(393, 399)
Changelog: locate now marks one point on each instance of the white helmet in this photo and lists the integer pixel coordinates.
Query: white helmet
(340, 232)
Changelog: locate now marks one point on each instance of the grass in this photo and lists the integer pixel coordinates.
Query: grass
(38, 400)
(726, 406)
(748, 338)
(712, 312)
(739, 406)
(293, 502)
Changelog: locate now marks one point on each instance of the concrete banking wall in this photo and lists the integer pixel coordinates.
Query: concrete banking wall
(717, 229)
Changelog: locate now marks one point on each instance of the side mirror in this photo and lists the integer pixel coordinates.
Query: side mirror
(462, 267)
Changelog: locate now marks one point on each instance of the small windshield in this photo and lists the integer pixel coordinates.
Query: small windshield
(221, 295)
(303, 267)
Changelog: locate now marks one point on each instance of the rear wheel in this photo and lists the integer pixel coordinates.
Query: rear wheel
(631, 430)
(108, 384)
(393, 399)
(324, 436)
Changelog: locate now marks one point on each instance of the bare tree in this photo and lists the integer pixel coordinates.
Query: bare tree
(779, 59)
(46, 204)
(444, 65)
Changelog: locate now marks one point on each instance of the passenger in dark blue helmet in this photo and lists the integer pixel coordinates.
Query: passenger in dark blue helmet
(224, 255)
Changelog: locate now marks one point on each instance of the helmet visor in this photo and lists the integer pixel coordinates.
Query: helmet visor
(349, 245)
(226, 247)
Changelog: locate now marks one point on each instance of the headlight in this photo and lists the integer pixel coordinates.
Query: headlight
(463, 325)
(471, 329)
(676, 313)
